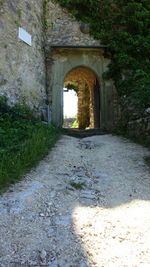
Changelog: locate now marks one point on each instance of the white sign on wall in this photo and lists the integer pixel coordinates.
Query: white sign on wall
(25, 36)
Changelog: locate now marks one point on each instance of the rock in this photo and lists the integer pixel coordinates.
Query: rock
(48, 210)
(42, 214)
(1, 25)
(54, 263)
(85, 28)
(69, 187)
(43, 255)
(64, 220)
(140, 163)
(50, 232)
(60, 187)
(87, 145)
(28, 6)
(19, 81)
(100, 175)
(147, 110)
(79, 174)
(3, 81)
(49, 204)
(78, 180)
(65, 173)
(88, 194)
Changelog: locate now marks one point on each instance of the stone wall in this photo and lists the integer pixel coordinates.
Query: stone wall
(63, 29)
(28, 77)
(140, 127)
(22, 67)
(64, 60)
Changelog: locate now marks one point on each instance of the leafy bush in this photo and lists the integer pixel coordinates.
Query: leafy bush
(147, 160)
(23, 141)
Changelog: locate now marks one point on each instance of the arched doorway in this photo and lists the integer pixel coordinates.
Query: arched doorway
(83, 81)
(63, 61)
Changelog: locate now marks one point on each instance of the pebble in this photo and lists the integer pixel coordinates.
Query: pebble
(42, 215)
(142, 164)
(63, 220)
(76, 228)
(88, 194)
(43, 254)
(54, 263)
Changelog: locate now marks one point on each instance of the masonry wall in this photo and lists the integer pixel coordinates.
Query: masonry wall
(63, 29)
(22, 68)
(26, 75)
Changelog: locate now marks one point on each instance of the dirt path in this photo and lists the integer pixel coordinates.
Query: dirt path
(46, 221)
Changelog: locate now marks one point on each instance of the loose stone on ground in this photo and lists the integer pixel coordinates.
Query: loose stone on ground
(86, 204)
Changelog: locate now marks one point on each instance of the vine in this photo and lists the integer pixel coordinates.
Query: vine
(124, 26)
(44, 16)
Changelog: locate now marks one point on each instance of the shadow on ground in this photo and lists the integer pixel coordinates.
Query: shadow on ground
(86, 204)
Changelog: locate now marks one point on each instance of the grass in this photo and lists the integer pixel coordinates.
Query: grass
(77, 186)
(13, 164)
(75, 125)
(23, 142)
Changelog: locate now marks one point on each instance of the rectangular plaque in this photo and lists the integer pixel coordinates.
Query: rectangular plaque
(25, 36)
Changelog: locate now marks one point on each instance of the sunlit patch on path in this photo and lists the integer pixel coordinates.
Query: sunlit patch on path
(86, 204)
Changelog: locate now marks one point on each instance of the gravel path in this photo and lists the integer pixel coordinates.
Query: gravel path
(86, 204)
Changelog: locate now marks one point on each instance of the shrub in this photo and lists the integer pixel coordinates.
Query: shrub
(23, 141)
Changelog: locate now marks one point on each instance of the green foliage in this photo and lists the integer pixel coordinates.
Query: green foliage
(23, 141)
(1, 4)
(124, 26)
(44, 16)
(18, 21)
(147, 160)
(72, 87)
(75, 125)
(78, 185)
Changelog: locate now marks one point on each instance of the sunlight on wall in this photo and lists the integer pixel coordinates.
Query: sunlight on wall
(70, 104)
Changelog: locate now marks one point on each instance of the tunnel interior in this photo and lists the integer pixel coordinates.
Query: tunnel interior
(85, 85)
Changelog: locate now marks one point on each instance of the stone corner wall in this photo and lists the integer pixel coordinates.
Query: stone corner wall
(22, 67)
(64, 29)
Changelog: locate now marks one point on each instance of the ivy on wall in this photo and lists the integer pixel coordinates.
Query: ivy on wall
(124, 26)
(44, 16)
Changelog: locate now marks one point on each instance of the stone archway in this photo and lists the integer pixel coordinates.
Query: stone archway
(88, 92)
(65, 59)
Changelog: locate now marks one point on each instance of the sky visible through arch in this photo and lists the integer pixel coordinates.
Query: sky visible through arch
(70, 102)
